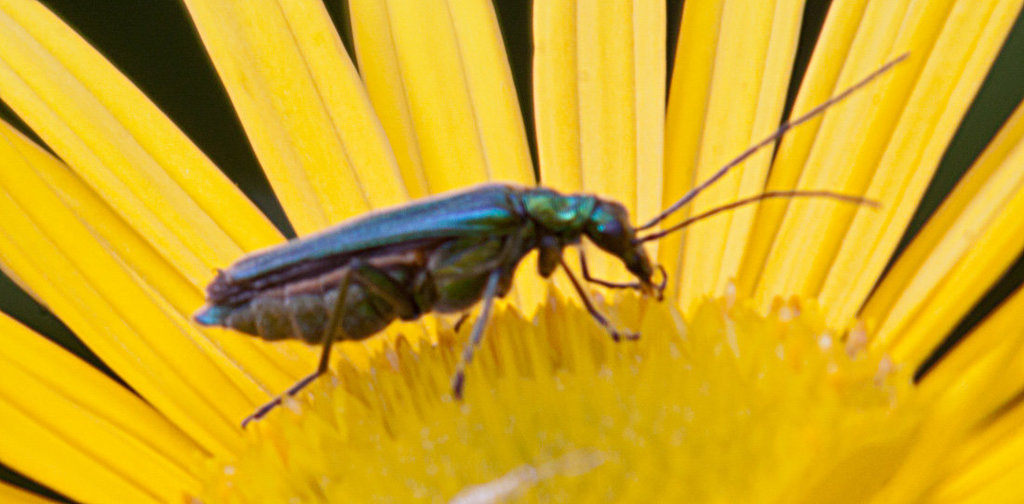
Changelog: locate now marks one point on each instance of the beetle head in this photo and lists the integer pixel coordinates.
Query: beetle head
(609, 228)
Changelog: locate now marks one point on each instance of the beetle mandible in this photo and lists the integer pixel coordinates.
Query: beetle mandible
(444, 254)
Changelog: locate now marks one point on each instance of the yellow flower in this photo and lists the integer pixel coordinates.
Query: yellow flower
(781, 369)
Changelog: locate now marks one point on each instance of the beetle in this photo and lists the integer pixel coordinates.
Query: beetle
(444, 254)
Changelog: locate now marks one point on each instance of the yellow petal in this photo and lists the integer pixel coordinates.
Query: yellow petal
(987, 465)
(262, 362)
(122, 145)
(303, 107)
(956, 67)
(599, 74)
(827, 158)
(753, 46)
(73, 269)
(556, 94)
(885, 141)
(378, 65)
(442, 83)
(131, 160)
(73, 429)
(687, 107)
(991, 349)
(820, 80)
(16, 495)
(965, 247)
(649, 21)
(607, 99)
(985, 372)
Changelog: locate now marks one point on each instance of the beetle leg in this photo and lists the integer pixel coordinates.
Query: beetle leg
(598, 281)
(490, 291)
(383, 286)
(593, 311)
(332, 324)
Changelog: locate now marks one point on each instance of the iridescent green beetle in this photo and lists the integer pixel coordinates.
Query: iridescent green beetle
(443, 254)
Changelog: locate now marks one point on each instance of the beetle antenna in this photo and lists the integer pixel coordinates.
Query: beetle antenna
(786, 126)
(754, 199)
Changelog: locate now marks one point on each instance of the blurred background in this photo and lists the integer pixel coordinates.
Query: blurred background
(154, 43)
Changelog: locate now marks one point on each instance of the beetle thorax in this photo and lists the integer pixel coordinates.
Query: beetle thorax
(559, 214)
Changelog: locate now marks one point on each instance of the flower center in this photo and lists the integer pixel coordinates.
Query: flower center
(729, 406)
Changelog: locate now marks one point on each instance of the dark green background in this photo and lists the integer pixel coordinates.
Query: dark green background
(155, 44)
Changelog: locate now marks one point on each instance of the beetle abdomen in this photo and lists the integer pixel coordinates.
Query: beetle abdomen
(303, 310)
(305, 316)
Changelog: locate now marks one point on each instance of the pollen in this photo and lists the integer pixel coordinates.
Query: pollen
(725, 405)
